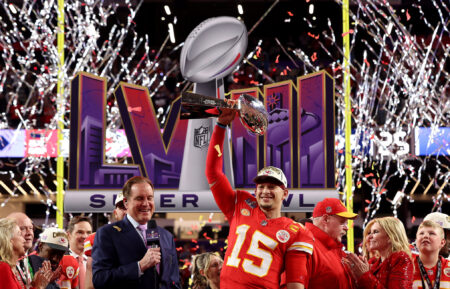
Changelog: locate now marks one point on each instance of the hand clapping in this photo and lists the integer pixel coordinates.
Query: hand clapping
(43, 276)
(357, 265)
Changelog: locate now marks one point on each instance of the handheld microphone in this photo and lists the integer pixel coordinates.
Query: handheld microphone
(153, 242)
(152, 235)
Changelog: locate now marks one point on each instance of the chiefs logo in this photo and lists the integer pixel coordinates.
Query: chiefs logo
(283, 236)
(447, 272)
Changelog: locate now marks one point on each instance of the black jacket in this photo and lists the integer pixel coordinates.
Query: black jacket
(36, 264)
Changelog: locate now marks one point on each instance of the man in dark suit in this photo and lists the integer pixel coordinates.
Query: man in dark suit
(120, 255)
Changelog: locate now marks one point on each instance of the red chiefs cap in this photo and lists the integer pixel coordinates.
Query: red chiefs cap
(332, 206)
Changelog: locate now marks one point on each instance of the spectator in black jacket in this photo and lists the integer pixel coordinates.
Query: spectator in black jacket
(53, 244)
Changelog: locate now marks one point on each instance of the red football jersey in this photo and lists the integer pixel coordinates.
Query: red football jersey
(69, 276)
(445, 274)
(257, 246)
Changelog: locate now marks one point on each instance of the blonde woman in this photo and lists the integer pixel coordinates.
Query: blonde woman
(11, 249)
(386, 238)
(206, 269)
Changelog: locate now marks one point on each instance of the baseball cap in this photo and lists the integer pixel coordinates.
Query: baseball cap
(119, 199)
(441, 219)
(332, 206)
(55, 238)
(272, 175)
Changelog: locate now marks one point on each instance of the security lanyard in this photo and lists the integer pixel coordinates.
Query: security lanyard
(424, 275)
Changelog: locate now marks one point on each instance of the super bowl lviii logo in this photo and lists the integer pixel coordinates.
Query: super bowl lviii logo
(289, 125)
(299, 137)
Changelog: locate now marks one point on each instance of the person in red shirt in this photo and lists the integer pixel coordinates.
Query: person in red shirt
(430, 269)
(261, 243)
(394, 268)
(329, 225)
(27, 228)
(70, 270)
(12, 247)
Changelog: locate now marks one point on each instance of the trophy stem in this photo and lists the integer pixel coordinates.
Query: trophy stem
(196, 146)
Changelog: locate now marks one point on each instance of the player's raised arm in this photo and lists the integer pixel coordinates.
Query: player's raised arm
(220, 186)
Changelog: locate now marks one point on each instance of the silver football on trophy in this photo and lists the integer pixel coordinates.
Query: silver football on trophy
(213, 49)
(252, 112)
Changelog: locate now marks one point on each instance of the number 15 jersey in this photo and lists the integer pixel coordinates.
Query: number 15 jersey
(258, 248)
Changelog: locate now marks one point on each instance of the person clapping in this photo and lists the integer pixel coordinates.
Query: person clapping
(393, 268)
(11, 249)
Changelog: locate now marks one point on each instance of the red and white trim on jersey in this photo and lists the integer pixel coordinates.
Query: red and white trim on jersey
(301, 246)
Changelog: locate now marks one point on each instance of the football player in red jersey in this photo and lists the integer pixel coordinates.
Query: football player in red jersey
(261, 243)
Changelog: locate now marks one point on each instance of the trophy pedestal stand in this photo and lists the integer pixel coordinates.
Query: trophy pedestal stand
(197, 141)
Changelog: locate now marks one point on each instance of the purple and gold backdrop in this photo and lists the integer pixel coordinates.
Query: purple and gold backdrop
(87, 168)
(159, 154)
(299, 139)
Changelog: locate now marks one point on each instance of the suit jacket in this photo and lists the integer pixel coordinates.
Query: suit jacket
(117, 249)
